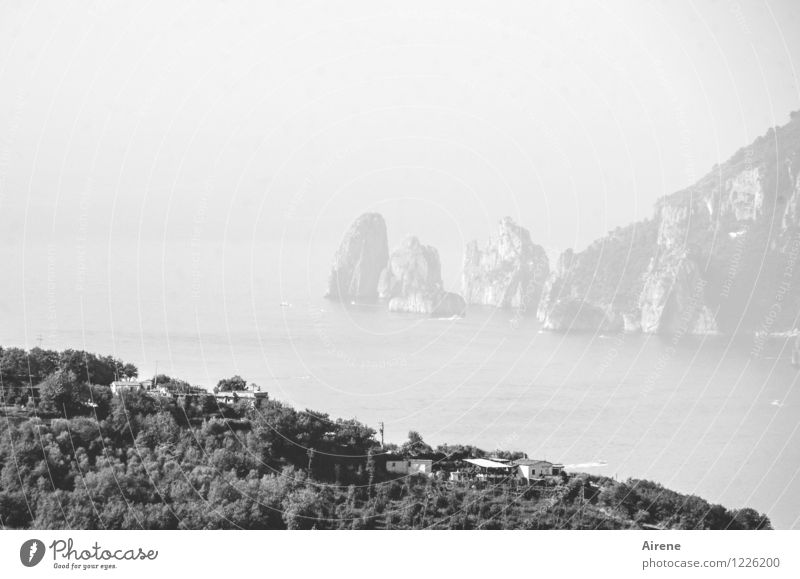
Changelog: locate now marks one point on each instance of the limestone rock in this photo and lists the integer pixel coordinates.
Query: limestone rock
(721, 255)
(673, 299)
(437, 305)
(358, 263)
(412, 282)
(632, 322)
(574, 315)
(508, 273)
(556, 284)
(744, 195)
(450, 304)
(412, 268)
(791, 215)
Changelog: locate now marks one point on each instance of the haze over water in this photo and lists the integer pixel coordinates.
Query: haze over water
(713, 416)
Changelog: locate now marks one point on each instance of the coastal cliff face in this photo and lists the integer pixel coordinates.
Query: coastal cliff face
(574, 315)
(719, 256)
(599, 288)
(412, 282)
(673, 298)
(358, 262)
(508, 273)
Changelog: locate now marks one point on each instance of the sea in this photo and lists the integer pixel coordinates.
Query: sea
(715, 416)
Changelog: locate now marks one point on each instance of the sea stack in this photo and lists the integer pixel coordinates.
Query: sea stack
(508, 273)
(357, 265)
(412, 282)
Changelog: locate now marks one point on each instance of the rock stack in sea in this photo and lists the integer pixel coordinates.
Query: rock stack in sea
(359, 261)
(508, 273)
(412, 282)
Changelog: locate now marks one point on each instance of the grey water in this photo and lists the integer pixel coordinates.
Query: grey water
(715, 416)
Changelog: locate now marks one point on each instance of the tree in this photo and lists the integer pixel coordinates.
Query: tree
(311, 463)
(172, 385)
(129, 371)
(62, 392)
(16, 375)
(234, 384)
(89, 367)
(371, 472)
(751, 519)
(127, 413)
(42, 363)
(303, 509)
(415, 446)
(100, 397)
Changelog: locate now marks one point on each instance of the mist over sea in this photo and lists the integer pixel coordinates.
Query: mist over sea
(715, 416)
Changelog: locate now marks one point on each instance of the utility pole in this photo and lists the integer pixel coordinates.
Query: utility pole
(380, 429)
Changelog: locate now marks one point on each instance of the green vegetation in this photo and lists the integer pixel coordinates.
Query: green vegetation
(81, 458)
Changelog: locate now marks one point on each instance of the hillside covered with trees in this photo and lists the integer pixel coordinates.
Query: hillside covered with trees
(81, 457)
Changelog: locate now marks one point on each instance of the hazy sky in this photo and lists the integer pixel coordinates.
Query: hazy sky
(231, 139)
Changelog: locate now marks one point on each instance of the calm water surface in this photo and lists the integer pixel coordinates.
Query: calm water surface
(707, 416)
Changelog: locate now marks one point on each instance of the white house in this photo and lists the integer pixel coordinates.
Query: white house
(486, 470)
(118, 386)
(530, 469)
(397, 466)
(410, 466)
(252, 397)
(420, 466)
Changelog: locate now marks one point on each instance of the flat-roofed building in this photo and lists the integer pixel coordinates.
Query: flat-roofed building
(484, 470)
(532, 469)
(398, 465)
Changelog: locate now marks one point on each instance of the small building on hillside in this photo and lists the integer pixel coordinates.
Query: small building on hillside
(397, 465)
(118, 386)
(180, 389)
(531, 469)
(400, 465)
(252, 397)
(483, 470)
(420, 466)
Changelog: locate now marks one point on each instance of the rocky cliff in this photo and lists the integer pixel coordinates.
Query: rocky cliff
(599, 288)
(508, 273)
(718, 256)
(412, 282)
(359, 261)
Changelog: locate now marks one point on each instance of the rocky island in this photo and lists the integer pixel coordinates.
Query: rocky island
(358, 262)
(508, 273)
(410, 280)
